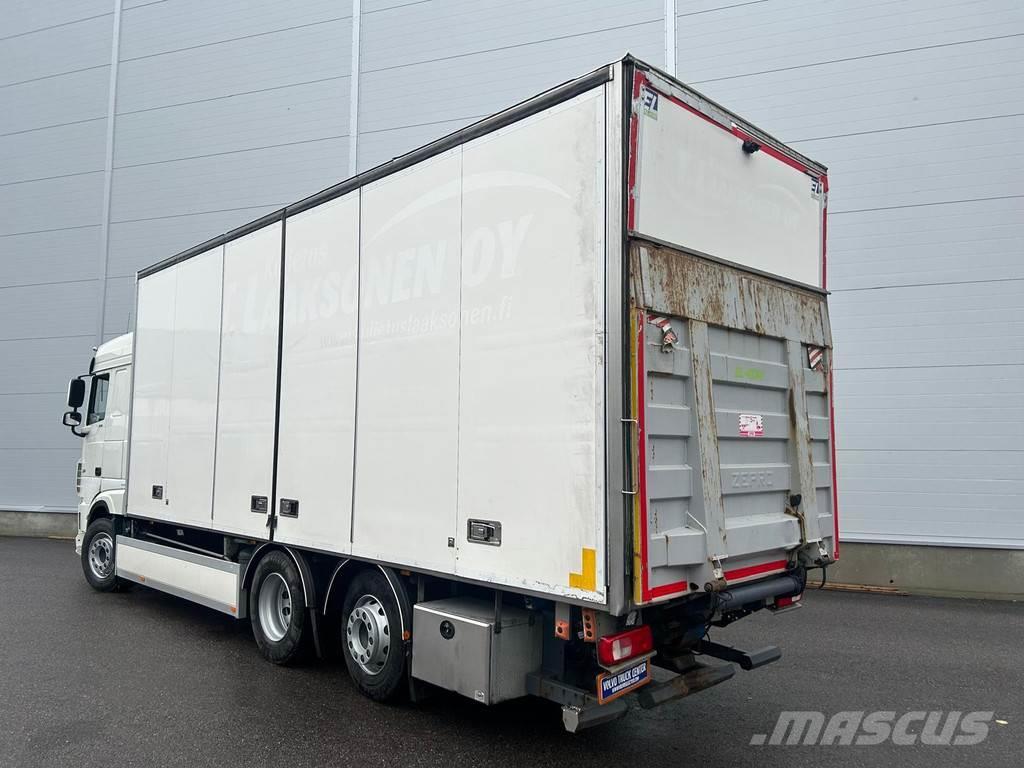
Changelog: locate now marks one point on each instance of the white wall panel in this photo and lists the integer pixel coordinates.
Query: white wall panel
(924, 492)
(530, 406)
(718, 39)
(902, 168)
(235, 66)
(269, 177)
(31, 478)
(35, 450)
(30, 311)
(405, 485)
(34, 421)
(151, 401)
(169, 27)
(41, 366)
(695, 187)
(37, 206)
(43, 257)
(299, 113)
(54, 78)
(248, 380)
(26, 17)
(69, 48)
(52, 152)
(399, 34)
(195, 358)
(931, 326)
(951, 243)
(52, 101)
(876, 93)
(318, 374)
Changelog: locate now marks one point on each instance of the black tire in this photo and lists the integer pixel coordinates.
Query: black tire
(378, 676)
(98, 556)
(279, 621)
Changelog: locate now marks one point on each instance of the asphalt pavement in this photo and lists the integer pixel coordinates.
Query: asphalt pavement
(145, 679)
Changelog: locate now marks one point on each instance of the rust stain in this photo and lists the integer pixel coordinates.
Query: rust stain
(671, 281)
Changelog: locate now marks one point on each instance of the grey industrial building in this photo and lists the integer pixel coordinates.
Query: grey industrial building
(132, 129)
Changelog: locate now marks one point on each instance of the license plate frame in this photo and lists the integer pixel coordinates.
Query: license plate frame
(631, 677)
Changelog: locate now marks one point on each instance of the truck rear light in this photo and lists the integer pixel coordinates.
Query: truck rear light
(613, 649)
(785, 602)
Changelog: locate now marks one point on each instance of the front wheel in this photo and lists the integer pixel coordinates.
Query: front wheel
(98, 556)
(371, 634)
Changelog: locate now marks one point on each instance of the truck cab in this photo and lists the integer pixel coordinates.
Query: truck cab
(104, 394)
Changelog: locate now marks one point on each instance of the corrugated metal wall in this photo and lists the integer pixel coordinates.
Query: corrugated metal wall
(226, 110)
(54, 83)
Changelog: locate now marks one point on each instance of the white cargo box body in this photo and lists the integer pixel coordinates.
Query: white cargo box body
(433, 365)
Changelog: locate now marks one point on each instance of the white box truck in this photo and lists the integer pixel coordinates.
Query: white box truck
(525, 411)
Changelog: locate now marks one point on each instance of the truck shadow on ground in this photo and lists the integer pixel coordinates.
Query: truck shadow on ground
(315, 685)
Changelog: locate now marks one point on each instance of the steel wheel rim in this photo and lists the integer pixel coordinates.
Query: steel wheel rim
(101, 555)
(275, 606)
(368, 635)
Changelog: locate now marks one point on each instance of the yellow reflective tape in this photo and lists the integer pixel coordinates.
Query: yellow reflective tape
(587, 579)
(635, 328)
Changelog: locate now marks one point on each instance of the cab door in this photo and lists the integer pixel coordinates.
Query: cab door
(92, 451)
(115, 430)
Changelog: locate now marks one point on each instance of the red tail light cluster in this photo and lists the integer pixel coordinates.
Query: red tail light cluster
(614, 649)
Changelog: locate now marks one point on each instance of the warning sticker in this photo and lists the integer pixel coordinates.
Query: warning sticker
(649, 102)
(751, 425)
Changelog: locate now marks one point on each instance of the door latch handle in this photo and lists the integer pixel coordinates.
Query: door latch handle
(484, 532)
(98, 471)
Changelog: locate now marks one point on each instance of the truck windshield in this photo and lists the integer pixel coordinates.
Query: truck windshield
(98, 399)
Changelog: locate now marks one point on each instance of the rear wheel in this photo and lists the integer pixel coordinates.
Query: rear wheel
(371, 636)
(277, 609)
(98, 556)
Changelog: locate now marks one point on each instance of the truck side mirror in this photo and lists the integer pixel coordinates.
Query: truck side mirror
(72, 419)
(76, 393)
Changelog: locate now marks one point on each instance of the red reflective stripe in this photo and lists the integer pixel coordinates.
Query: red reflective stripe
(647, 592)
(668, 589)
(634, 139)
(824, 233)
(831, 381)
(755, 570)
(641, 431)
(835, 487)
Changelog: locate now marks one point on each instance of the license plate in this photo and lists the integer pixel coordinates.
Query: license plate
(611, 685)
